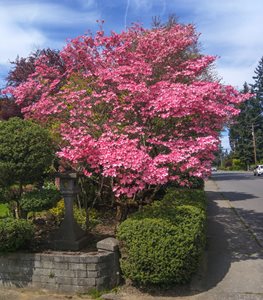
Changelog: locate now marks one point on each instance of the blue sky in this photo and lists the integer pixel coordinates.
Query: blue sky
(230, 29)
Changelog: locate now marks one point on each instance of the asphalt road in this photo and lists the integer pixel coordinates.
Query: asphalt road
(245, 192)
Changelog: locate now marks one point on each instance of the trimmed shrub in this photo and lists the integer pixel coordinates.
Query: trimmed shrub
(15, 234)
(38, 200)
(162, 244)
(182, 196)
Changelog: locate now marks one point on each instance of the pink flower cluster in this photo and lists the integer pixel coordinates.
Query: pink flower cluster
(136, 106)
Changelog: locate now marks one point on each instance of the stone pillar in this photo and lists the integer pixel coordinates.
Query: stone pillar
(69, 236)
(112, 245)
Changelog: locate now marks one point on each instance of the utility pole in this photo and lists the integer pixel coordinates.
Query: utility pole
(254, 144)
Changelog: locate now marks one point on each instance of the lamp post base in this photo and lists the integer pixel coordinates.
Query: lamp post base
(69, 245)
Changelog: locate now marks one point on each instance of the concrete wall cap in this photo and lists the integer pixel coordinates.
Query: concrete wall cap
(109, 244)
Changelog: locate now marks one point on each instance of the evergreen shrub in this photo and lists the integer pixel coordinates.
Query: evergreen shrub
(38, 200)
(15, 234)
(183, 196)
(164, 243)
(26, 152)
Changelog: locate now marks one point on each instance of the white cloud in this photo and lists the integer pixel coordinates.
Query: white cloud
(23, 25)
(126, 13)
(236, 75)
(17, 40)
(152, 7)
(19, 43)
(28, 13)
(232, 29)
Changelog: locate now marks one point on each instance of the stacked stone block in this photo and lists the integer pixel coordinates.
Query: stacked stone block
(63, 271)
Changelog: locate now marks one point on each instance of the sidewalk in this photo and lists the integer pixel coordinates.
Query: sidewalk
(232, 267)
(234, 262)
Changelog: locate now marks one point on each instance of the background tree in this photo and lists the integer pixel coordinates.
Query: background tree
(23, 67)
(220, 156)
(9, 108)
(246, 131)
(19, 73)
(257, 87)
(257, 123)
(26, 152)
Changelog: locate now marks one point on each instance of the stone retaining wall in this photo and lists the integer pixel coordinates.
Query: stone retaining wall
(63, 271)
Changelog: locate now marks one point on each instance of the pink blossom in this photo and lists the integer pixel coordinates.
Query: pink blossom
(134, 106)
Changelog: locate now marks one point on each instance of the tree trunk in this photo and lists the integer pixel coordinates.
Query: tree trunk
(18, 210)
(122, 212)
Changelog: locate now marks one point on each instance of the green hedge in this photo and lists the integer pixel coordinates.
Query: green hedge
(15, 234)
(163, 244)
(38, 200)
(183, 196)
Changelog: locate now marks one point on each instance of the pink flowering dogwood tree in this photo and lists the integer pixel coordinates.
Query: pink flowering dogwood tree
(137, 107)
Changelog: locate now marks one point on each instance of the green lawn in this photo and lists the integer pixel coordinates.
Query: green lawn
(4, 211)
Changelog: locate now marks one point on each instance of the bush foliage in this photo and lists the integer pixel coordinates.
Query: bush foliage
(79, 214)
(38, 200)
(4, 211)
(163, 244)
(182, 196)
(15, 234)
(26, 151)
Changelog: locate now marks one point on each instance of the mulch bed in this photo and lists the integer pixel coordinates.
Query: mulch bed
(45, 226)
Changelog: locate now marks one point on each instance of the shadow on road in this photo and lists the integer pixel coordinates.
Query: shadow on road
(235, 176)
(235, 196)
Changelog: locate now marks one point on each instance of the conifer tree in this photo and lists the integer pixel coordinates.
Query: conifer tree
(246, 132)
(257, 87)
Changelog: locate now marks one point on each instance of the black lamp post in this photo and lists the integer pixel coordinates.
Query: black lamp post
(69, 236)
